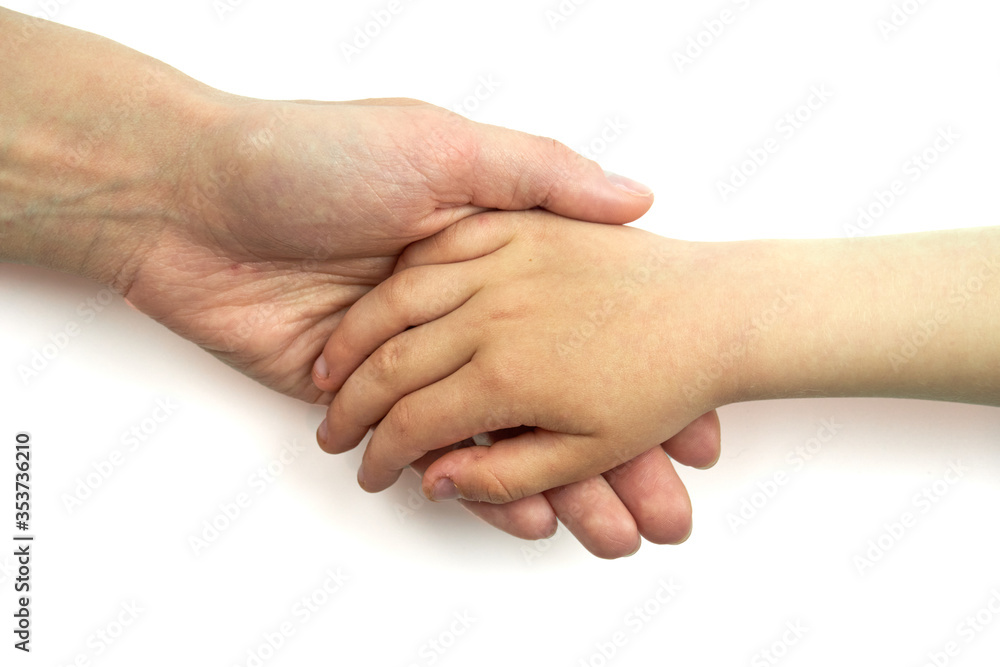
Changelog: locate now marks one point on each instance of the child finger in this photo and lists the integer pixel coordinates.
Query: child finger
(404, 300)
(450, 410)
(467, 239)
(403, 364)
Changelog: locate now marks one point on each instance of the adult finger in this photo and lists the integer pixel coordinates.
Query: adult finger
(589, 509)
(649, 487)
(407, 299)
(513, 170)
(597, 518)
(469, 238)
(699, 444)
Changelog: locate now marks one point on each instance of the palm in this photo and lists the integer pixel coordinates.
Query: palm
(269, 322)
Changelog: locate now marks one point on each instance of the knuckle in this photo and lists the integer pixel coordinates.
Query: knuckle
(385, 362)
(497, 417)
(452, 144)
(499, 315)
(397, 291)
(565, 159)
(503, 381)
(567, 164)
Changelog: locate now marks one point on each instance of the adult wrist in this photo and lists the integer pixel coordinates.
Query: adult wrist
(92, 155)
(103, 190)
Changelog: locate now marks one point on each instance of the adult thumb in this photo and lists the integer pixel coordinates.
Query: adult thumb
(515, 171)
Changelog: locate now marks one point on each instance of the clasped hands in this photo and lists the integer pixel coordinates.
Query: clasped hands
(436, 279)
(288, 213)
(425, 396)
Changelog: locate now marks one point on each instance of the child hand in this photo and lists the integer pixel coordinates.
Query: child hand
(520, 319)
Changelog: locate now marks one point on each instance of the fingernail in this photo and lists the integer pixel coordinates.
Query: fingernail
(320, 368)
(444, 489)
(628, 185)
(321, 432)
(361, 478)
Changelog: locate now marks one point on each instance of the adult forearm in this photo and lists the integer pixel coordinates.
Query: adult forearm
(914, 316)
(94, 139)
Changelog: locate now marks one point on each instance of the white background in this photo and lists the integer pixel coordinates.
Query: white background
(533, 603)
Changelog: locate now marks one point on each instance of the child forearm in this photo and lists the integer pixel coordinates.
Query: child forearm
(913, 316)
